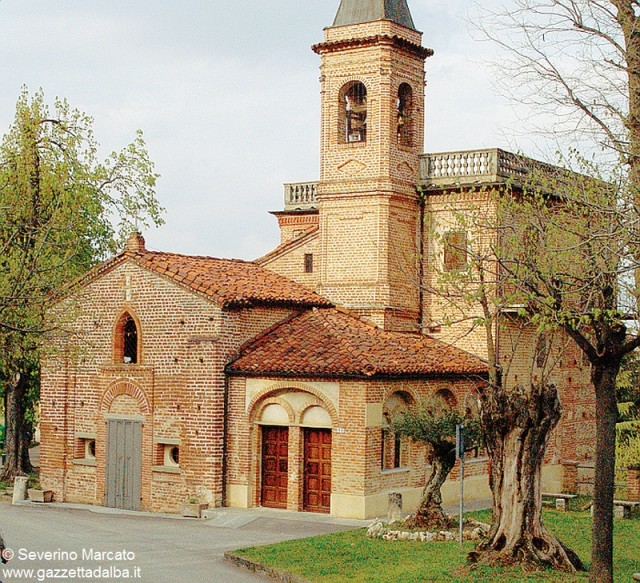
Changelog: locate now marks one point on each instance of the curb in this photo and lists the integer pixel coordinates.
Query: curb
(260, 569)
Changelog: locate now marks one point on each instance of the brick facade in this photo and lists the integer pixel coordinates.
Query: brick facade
(177, 389)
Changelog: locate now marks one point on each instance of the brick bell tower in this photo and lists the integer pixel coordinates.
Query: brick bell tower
(372, 77)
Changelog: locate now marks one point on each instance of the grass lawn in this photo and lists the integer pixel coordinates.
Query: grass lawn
(350, 556)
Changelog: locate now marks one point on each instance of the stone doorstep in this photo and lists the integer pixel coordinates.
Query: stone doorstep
(260, 569)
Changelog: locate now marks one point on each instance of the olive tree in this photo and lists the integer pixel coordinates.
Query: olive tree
(433, 423)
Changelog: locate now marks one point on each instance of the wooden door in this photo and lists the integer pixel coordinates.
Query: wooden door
(275, 466)
(317, 470)
(123, 464)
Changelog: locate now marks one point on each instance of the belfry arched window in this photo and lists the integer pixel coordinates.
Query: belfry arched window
(353, 112)
(126, 341)
(405, 115)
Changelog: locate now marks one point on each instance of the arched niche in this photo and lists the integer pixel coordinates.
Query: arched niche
(274, 414)
(316, 416)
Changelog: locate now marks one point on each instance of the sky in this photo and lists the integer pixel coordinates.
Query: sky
(228, 97)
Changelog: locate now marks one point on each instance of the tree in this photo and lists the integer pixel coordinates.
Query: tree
(574, 262)
(61, 211)
(516, 417)
(579, 60)
(433, 423)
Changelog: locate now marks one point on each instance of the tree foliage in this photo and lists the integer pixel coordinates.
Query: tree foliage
(433, 422)
(517, 411)
(62, 209)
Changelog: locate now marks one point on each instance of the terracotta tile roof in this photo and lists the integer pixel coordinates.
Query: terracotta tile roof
(329, 342)
(230, 283)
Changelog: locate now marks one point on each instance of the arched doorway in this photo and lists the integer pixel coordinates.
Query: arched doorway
(295, 440)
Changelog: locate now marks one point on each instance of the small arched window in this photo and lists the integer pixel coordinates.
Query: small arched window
(405, 115)
(126, 341)
(446, 397)
(395, 449)
(353, 112)
(130, 354)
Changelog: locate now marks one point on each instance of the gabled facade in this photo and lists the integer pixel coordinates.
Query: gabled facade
(273, 382)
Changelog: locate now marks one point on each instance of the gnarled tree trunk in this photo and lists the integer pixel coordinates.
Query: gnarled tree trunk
(430, 514)
(516, 425)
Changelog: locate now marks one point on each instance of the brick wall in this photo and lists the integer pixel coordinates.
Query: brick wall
(291, 262)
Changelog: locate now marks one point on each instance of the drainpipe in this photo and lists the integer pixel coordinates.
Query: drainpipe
(422, 203)
(225, 423)
(65, 428)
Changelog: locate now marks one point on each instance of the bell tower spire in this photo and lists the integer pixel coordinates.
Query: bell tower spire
(372, 134)
(359, 11)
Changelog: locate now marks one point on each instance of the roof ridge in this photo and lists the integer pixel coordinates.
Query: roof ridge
(169, 253)
(312, 230)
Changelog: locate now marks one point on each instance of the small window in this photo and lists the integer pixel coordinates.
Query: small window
(455, 250)
(542, 349)
(391, 450)
(308, 262)
(90, 449)
(166, 456)
(85, 450)
(353, 112)
(405, 115)
(130, 354)
(171, 455)
(395, 452)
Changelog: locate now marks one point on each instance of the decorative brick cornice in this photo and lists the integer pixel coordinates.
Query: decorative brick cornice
(379, 39)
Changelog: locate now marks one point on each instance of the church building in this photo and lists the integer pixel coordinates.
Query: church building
(272, 382)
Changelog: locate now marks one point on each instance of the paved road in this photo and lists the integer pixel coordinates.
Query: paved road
(164, 549)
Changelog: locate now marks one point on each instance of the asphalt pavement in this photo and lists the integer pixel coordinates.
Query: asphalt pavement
(52, 542)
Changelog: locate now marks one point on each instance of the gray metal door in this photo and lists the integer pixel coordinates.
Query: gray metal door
(124, 464)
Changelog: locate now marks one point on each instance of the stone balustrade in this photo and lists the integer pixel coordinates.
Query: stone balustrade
(473, 166)
(442, 169)
(300, 196)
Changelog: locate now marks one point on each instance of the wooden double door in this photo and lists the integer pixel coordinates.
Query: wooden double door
(316, 492)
